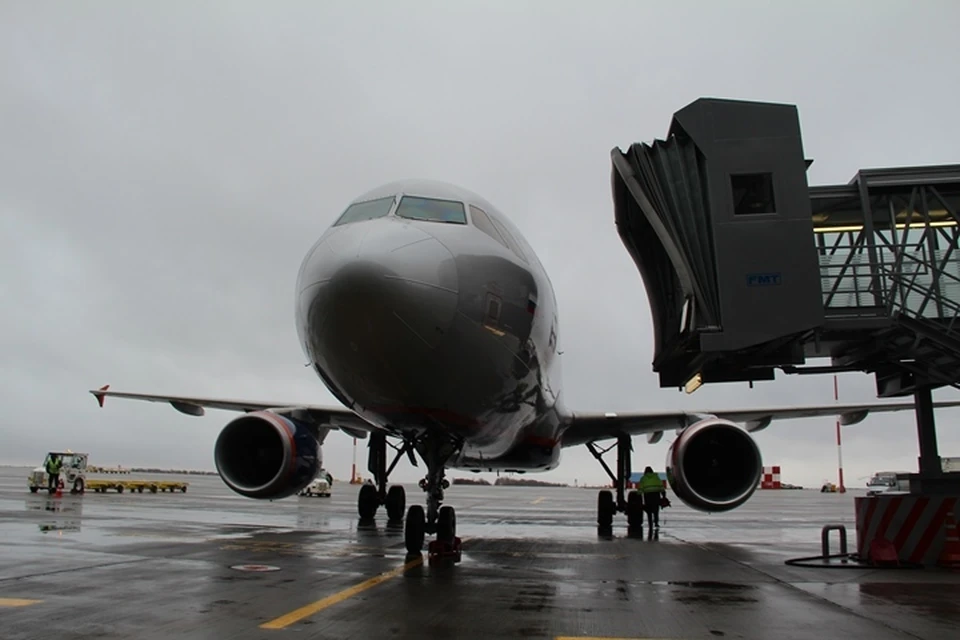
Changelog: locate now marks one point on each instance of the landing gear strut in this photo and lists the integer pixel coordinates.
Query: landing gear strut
(372, 496)
(606, 506)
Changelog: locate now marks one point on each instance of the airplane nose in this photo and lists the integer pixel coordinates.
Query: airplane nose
(382, 295)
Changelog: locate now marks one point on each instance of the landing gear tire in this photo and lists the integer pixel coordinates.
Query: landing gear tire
(414, 530)
(396, 502)
(367, 502)
(635, 514)
(605, 511)
(446, 524)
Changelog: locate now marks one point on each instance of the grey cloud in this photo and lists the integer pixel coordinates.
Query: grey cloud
(164, 168)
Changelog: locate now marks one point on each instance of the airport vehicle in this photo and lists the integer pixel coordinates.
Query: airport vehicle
(888, 482)
(73, 472)
(426, 313)
(320, 486)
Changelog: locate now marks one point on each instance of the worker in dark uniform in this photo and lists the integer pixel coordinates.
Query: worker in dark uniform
(651, 486)
(53, 472)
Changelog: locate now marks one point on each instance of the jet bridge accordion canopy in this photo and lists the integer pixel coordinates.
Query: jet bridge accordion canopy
(717, 218)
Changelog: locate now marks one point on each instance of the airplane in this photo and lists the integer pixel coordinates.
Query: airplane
(427, 314)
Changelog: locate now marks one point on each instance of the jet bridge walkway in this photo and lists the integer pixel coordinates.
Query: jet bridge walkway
(748, 269)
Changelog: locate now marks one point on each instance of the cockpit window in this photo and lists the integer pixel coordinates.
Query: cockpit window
(482, 221)
(366, 210)
(432, 210)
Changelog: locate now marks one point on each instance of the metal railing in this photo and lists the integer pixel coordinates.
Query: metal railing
(909, 279)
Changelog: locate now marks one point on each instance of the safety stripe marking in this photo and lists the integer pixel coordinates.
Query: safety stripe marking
(299, 614)
(17, 602)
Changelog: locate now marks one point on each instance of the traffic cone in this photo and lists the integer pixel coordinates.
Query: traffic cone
(59, 492)
(950, 555)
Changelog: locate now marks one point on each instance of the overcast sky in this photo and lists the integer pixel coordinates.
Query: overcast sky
(165, 166)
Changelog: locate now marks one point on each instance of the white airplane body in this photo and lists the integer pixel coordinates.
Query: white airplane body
(428, 315)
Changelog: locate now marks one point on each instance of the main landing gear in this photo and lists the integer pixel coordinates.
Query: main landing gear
(372, 496)
(437, 518)
(607, 507)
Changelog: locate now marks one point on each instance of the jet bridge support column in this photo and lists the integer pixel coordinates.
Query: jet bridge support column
(930, 466)
(916, 523)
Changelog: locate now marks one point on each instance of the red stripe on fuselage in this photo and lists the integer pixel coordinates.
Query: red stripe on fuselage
(540, 441)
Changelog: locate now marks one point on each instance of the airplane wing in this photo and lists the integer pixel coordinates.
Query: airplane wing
(333, 417)
(588, 427)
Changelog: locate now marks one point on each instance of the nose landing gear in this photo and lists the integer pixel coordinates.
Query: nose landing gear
(438, 519)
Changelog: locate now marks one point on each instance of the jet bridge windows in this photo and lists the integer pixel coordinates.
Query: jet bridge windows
(432, 210)
(368, 210)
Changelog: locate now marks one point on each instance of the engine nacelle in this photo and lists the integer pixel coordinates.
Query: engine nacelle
(267, 456)
(714, 465)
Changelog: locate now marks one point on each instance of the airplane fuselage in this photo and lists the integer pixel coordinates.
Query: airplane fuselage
(424, 309)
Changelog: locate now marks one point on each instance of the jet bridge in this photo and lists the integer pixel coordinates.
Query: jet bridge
(748, 269)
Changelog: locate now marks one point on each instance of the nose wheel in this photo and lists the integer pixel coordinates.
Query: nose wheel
(446, 545)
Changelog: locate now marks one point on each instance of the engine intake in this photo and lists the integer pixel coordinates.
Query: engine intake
(714, 465)
(267, 456)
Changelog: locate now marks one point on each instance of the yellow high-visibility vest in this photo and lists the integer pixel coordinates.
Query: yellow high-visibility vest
(651, 483)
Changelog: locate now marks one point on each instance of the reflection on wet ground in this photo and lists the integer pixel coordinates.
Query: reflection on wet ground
(209, 564)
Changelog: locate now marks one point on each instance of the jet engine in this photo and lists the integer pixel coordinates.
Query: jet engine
(714, 465)
(267, 456)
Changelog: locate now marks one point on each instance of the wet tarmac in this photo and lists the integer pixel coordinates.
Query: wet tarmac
(210, 564)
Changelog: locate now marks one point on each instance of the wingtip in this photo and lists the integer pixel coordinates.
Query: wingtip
(100, 396)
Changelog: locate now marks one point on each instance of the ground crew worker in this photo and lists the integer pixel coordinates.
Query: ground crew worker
(53, 471)
(651, 486)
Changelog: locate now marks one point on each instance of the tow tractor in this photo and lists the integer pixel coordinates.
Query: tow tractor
(73, 475)
(73, 472)
(320, 485)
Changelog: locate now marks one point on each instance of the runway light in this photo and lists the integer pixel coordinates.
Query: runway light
(693, 384)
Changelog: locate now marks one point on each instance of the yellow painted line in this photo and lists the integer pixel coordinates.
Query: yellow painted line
(299, 614)
(538, 500)
(17, 602)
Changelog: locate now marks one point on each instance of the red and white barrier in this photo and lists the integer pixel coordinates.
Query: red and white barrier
(915, 525)
(771, 478)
